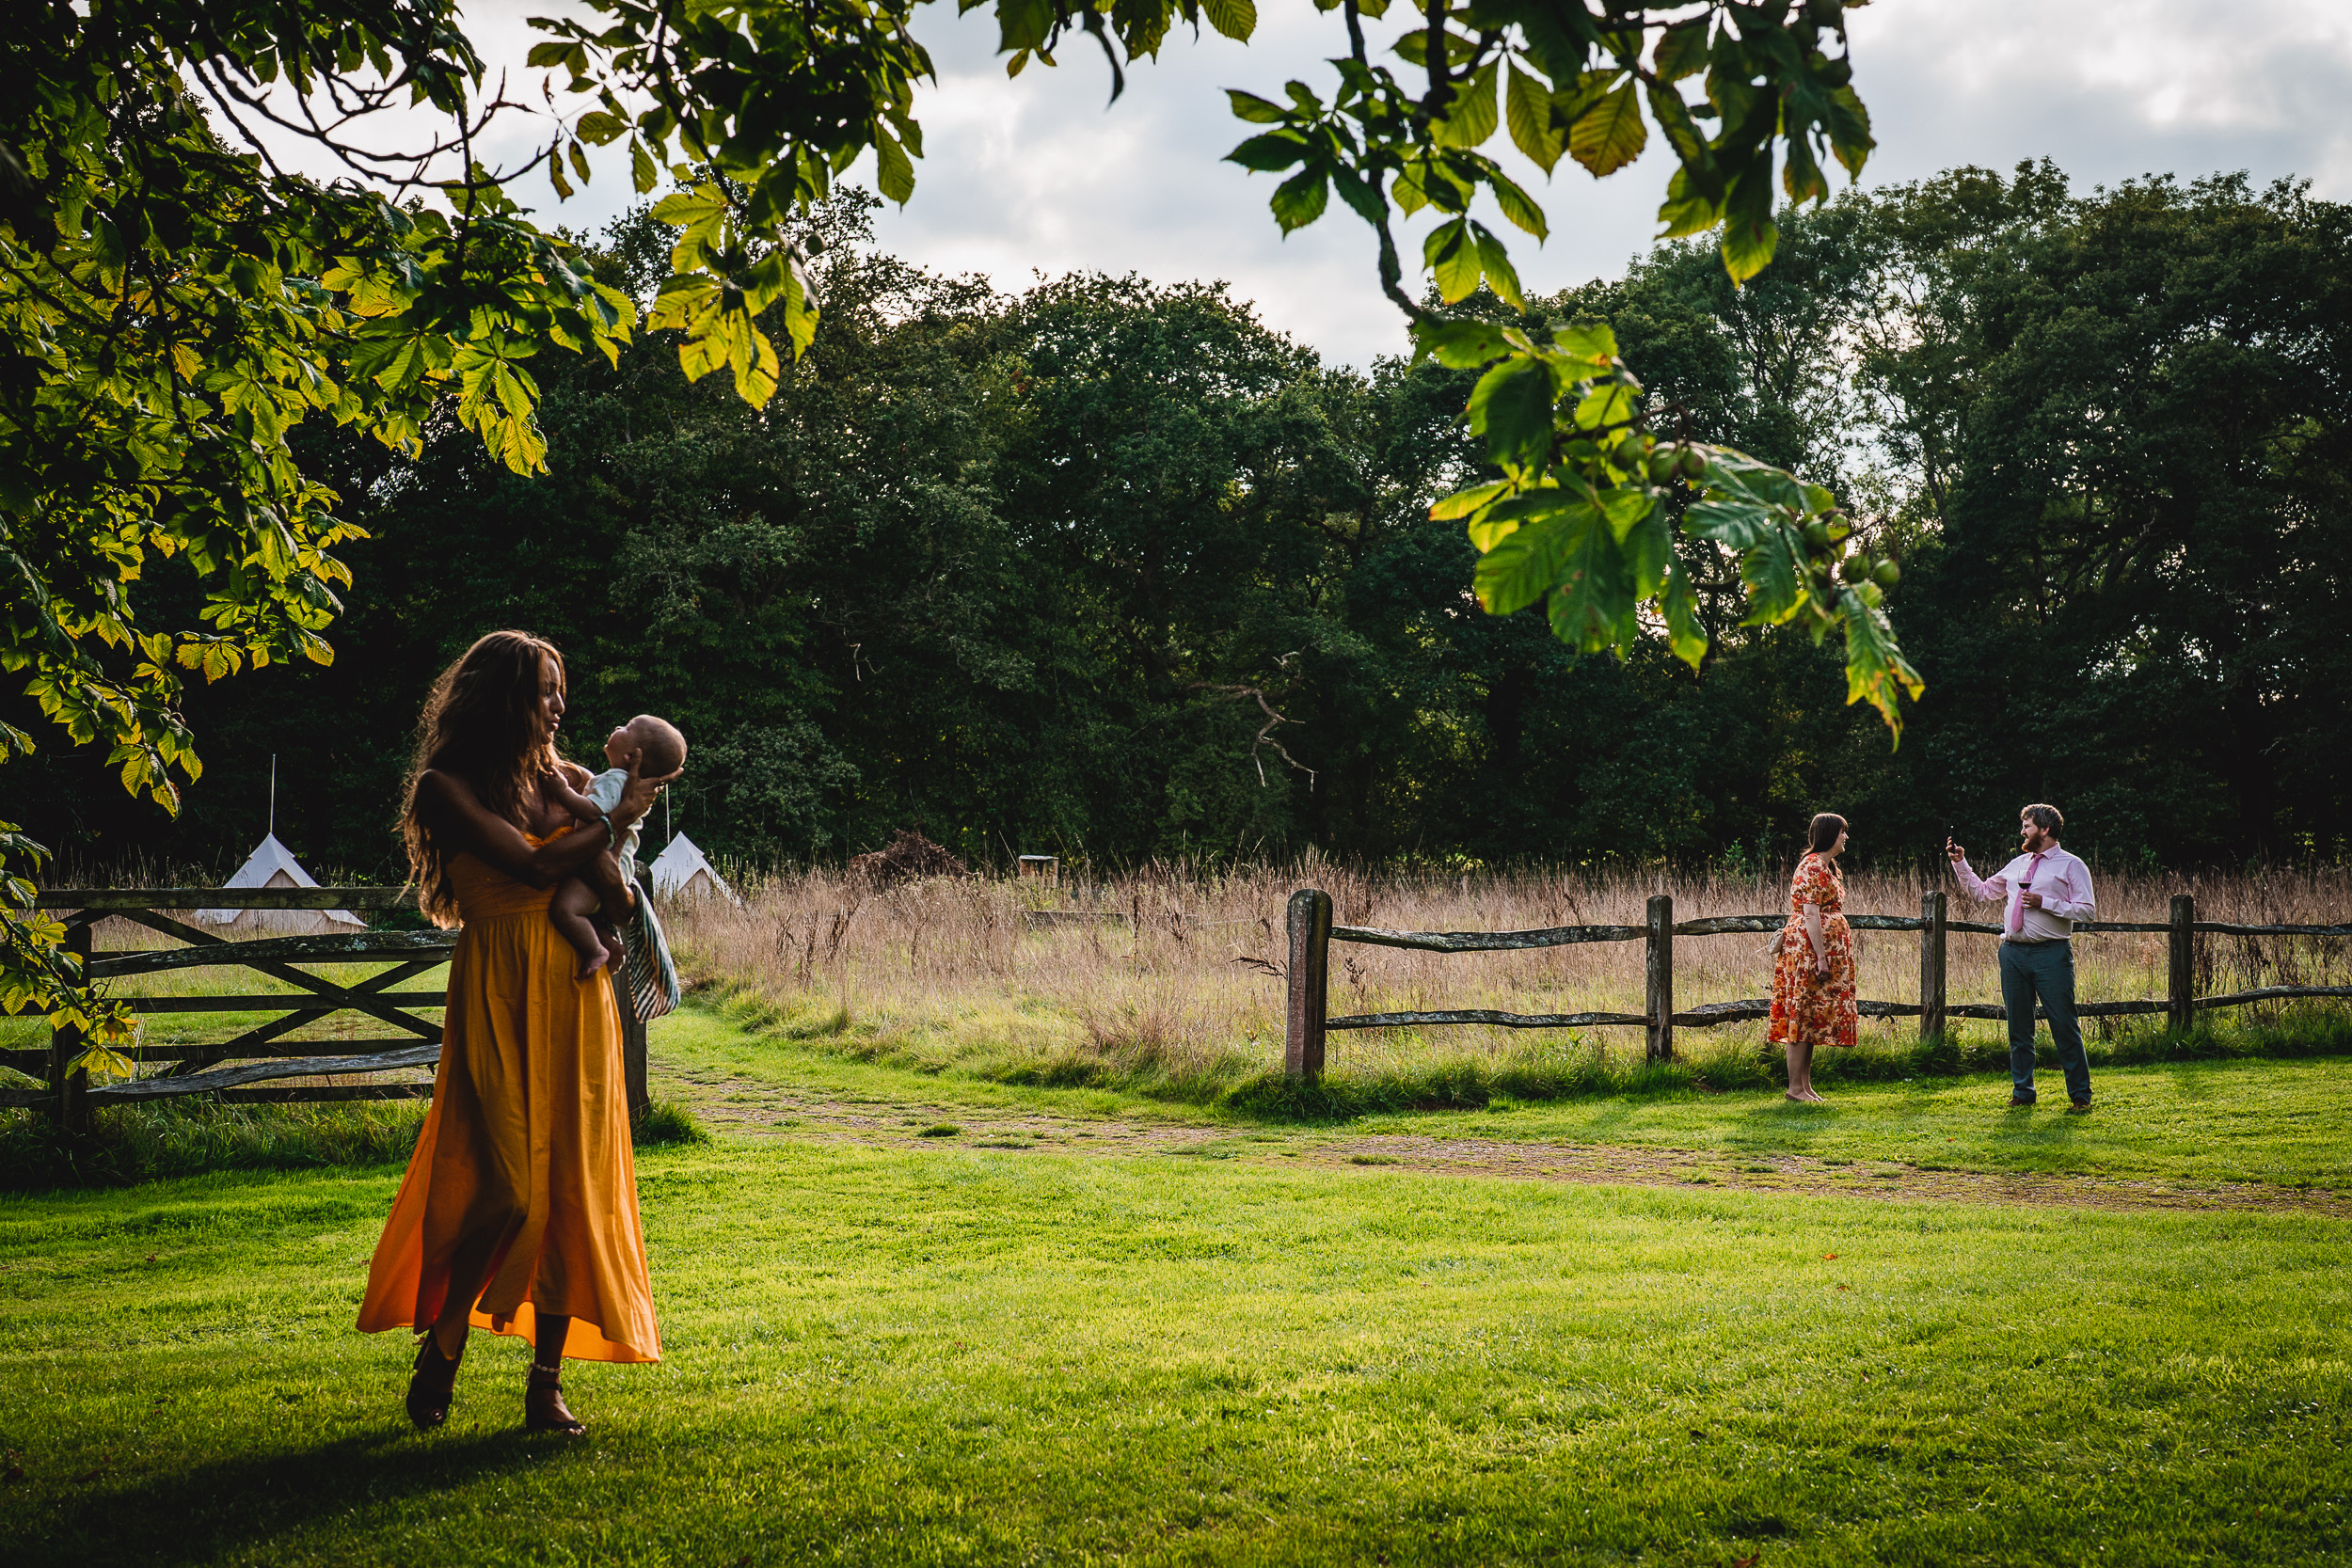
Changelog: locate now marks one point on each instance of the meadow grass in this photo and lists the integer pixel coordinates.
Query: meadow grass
(1169, 983)
(936, 1354)
(2286, 1123)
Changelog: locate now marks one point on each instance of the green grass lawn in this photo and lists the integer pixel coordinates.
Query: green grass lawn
(939, 1355)
(2282, 1122)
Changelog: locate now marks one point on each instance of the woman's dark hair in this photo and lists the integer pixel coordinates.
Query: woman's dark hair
(1824, 831)
(479, 724)
(2048, 818)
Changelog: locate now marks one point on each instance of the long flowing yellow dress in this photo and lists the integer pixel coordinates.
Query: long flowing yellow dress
(525, 1158)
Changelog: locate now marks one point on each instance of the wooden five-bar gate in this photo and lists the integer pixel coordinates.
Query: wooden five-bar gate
(232, 1068)
(1312, 933)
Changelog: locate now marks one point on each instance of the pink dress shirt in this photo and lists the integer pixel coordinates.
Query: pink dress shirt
(2063, 881)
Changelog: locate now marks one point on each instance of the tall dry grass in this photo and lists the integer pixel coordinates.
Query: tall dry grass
(1176, 973)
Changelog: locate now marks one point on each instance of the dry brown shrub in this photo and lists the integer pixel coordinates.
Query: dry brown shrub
(1178, 970)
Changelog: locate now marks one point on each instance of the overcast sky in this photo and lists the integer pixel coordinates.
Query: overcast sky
(1037, 175)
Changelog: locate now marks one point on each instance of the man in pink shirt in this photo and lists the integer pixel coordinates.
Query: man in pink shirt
(2042, 893)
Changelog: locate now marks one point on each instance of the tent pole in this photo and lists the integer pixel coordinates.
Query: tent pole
(273, 795)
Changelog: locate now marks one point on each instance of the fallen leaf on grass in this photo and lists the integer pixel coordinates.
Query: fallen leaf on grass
(1748, 1561)
(1827, 1256)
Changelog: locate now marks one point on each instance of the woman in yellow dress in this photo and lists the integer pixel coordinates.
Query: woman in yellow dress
(518, 1213)
(1812, 967)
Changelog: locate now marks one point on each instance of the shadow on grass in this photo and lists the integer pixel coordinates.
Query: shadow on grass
(210, 1510)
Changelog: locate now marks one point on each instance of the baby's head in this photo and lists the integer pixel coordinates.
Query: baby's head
(662, 751)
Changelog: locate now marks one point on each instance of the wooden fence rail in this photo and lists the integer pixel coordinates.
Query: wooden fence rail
(228, 1067)
(1312, 933)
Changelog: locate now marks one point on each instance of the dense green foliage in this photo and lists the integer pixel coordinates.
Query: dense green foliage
(174, 302)
(1008, 567)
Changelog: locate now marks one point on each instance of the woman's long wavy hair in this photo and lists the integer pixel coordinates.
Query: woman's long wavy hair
(478, 724)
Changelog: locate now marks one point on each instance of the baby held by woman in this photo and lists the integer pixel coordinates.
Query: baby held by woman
(581, 914)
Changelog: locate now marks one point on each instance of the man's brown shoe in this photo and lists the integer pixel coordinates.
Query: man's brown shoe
(2019, 1099)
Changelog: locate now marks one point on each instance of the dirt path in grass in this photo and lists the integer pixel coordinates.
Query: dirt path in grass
(766, 1111)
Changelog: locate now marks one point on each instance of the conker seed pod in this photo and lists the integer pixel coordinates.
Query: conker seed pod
(1664, 461)
(1853, 568)
(1694, 465)
(1817, 535)
(1888, 574)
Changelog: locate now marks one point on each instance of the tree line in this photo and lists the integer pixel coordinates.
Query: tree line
(1110, 569)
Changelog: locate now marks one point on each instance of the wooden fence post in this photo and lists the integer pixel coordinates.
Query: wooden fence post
(69, 1108)
(2181, 970)
(1661, 977)
(1310, 983)
(1932, 966)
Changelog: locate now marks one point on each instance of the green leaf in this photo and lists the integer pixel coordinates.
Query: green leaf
(1736, 523)
(1516, 204)
(1850, 135)
(1681, 51)
(894, 172)
(1588, 341)
(1627, 505)
(1496, 263)
(1471, 117)
(1527, 106)
(1681, 604)
(1511, 407)
(1452, 254)
(1686, 210)
(1774, 571)
(1300, 200)
(1270, 154)
(1250, 106)
(643, 172)
(1802, 177)
(1593, 606)
(1525, 564)
(1461, 345)
(1876, 670)
(598, 127)
(1648, 545)
(1463, 502)
(1611, 134)
(1235, 19)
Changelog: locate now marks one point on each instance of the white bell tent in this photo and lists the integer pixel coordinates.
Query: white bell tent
(683, 871)
(272, 864)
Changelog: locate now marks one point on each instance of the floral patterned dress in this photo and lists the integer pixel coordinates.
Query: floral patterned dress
(1808, 1009)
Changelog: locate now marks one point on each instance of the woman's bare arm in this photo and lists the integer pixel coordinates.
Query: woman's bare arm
(1819, 940)
(457, 816)
(560, 790)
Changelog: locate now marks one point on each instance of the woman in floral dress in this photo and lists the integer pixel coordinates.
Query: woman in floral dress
(1813, 968)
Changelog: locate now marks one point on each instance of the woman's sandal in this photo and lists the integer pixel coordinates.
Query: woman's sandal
(543, 1404)
(430, 1385)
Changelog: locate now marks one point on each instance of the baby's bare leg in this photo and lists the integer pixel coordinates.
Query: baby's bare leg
(569, 912)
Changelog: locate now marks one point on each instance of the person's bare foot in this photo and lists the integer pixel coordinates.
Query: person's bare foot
(591, 962)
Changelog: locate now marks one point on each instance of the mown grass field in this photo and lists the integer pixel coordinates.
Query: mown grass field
(897, 1349)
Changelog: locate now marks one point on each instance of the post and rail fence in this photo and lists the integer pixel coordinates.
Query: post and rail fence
(229, 1069)
(1312, 932)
